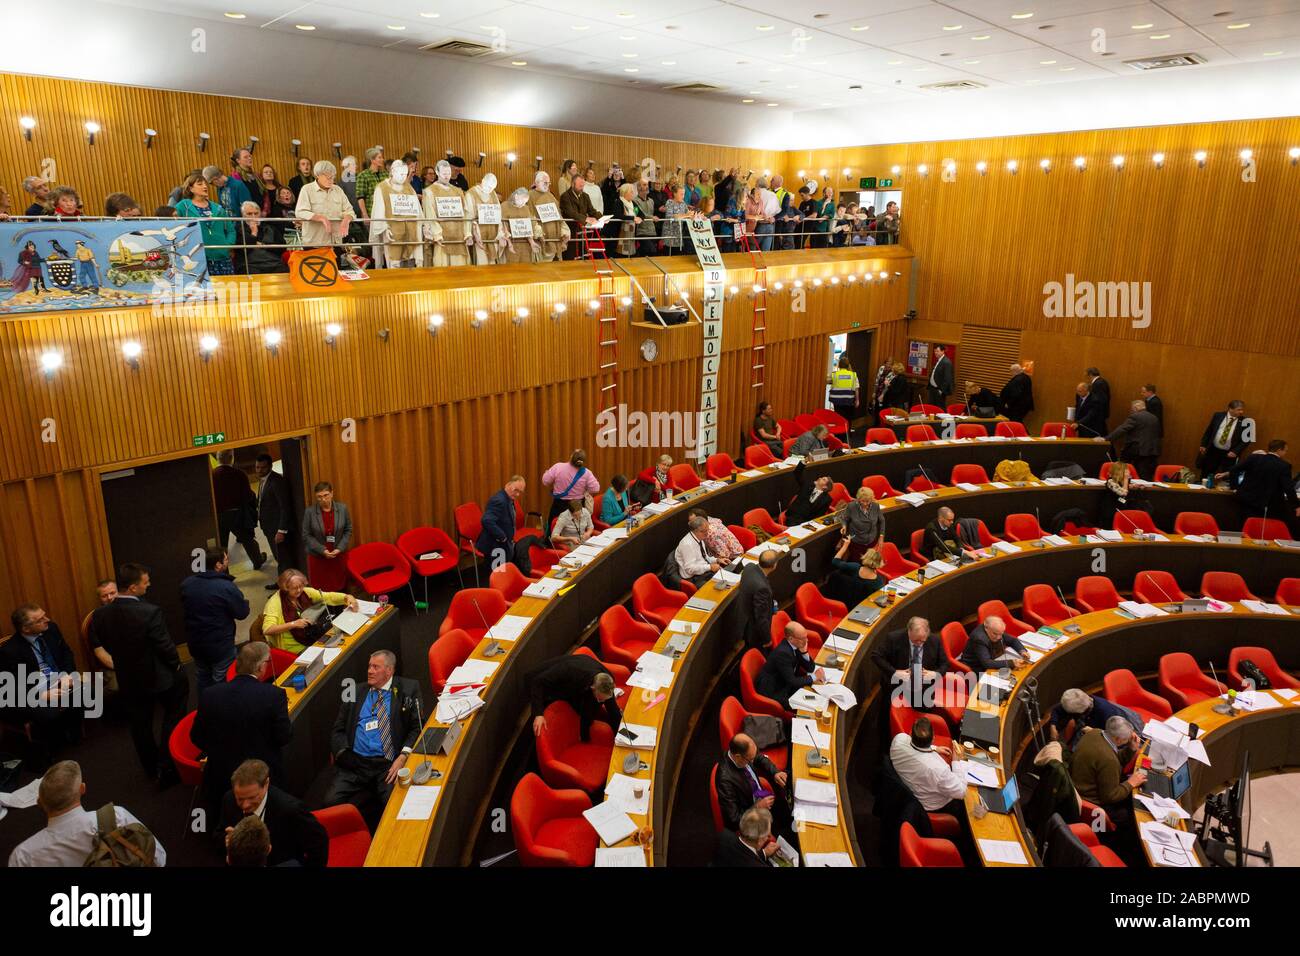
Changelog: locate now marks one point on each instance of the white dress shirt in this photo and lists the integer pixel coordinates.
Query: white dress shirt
(926, 774)
(771, 205)
(693, 556)
(68, 839)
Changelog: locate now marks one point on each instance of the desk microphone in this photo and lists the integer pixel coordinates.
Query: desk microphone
(815, 757)
(1163, 593)
(424, 771)
(494, 646)
(1224, 706)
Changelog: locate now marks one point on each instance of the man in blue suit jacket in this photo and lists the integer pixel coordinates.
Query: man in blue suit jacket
(789, 667)
(244, 719)
(497, 539)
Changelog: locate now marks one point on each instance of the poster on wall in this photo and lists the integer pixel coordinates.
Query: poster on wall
(918, 357)
(58, 265)
(715, 278)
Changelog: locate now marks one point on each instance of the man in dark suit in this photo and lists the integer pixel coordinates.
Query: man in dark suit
(812, 501)
(754, 604)
(496, 541)
(275, 514)
(940, 378)
(941, 541)
(750, 845)
(1100, 389)
(37, 647)
(236, 507)
(1154, 405)
(1264, 483)
(912, 663)
(296, 835)
(576, 207)
(242, 719)
(1018, 394)
(990, 646)
(1087, 412)
(746, 778)
(148, 668)
(372, 736)
(789, 667)
(1229, 433)
(580, 681)
(1141, 434)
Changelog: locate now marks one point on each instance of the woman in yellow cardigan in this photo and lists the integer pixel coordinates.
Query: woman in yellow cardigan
(280, 620)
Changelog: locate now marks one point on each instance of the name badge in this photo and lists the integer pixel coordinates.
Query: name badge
(371, 725)
(547, 212)
(449, 207)
(404, 205)
(489, 214)
(521, 228)
(329, 539)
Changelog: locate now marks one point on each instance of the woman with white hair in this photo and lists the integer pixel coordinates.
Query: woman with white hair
(257, 253)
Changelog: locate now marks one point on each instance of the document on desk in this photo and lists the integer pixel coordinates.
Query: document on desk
(697, 603)
(620, 789)
(545, 588)
(1167, 846)
(1139, 609)
(1264, 607)
(1107, 535)
(1040, 641)
(728, 578)
(23, 797)
(904, 585)
(620, 856)
(841, 645)
(509, 627)
(309, 654)
(645, 737)
(833, 675)
(1178, 724)
(654, 661)
(584, 552)
(610, 822)
(816, 791)
(967, 486)
(798, 531)
(1005, 547)
(473, 671)
(1058, 481)
(1094, 482)
(1055, 540)
(1002, 851)
(1286, 693)
(686, 627)
(1257, 700)
(418, 803)
(975, 772)
(915, 499)
(368, 608)
(657, 508)
(937, 567)
(804, 731)
(456, 706)
(828, 859)
(650, 679)
(843, 698)
(1033, 655)
(349, 622)
(330, 655)
(805, 699)
(1160, 807)
(816, 813)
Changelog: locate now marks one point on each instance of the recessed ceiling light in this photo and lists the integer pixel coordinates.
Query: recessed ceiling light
(920, 69)
(1272, 53)
(970, 62)
(398, 26)
(580, 26)
(667, 62)
(1046, 62)
(860, 27)
(627, 36)
(518, 62)
(237, 16)
(893, 62)
(1021, 16)
(953, 26)
(431, 15)
(1238, 26)
(625, 16)
(630, 56)
(1143, 26)
(746, 101)
(773, 104)
(630, 69)
(1158, 36)
(304, 26)
(1066, 69)
(980, 36)
(765, 27)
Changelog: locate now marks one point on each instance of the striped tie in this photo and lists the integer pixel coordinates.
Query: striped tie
(385, 731)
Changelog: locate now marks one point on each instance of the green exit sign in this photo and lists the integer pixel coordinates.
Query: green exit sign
(886, 183)
(867, 182)
(215, 438)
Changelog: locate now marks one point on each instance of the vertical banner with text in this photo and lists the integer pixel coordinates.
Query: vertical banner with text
(715, 278)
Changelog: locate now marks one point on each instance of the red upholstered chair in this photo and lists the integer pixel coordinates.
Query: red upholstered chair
(895, 566)
(1128, 520)
(1262, 658)
(1156, 587)
(759, 518)
(750, 664)
(836, 423)
(543, 559)
(468, 519)
(954, 638)
(787, 445)
(715, 805)
(756, 456)
(888, 413)
(970, 430)
(1011, 430)
(731, 718)
(927, 409)
(987, 537)
(1022, 527)
(720, 467)
(1104, 473)
(958, 408)
(1015, 626)
(1266, 529)
(623, 639)
(917, 547)
(379, 568)
(564, 760)
(427, 540)
(184, 752)
(1059, 430)
(839, 495)
(510, 581)
(683, 476)
(918, 851)
(280, 662)
(1182, 683)
(922, 483)
(1096, 593)
(1225, 586)
(921, 433)
(902, 717)
(881, 436)
(1288, 591)
(970, 474)
(806, 422)
(819, 614)
(346, 828)
(1121, 687)
(777, 628)
(1167, 472)
(790, 426)
(835, 444)
(470, 608)
(743, 535)
(1195, 522)
(1043, 606)
(447, 653)
(653, 602)
(1102, 854)
(548, 825)
(1091, 812)
(880, 487)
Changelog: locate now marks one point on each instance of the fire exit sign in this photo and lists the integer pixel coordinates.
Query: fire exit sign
(867, 182)
(214, 438)
(886, 183)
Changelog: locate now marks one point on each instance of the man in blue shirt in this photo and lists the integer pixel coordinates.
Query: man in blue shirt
(212, 603)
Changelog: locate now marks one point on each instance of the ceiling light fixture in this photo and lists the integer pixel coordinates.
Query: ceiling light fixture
(1200, 157)
(1045, 165)
(1158, 159)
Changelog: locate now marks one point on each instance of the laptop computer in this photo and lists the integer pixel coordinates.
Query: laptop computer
(1001, 799)
(819, 454)
(864, 614)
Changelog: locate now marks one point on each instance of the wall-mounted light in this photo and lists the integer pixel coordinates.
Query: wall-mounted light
(779, 286)
(817, 283)
(384, 335)
(800, 174)
(1117, 161)
(851, 278)
(868, 277)
(1200, 157)
(626, 303)
(981, 167)
(732, 291)
(149, 134)
(950, 167)
(537, 163)
(207, 346)
(481, 157)
(435, 323)
(923, 170)
(835, 280)
(131, 352)
(825, 174)
(756, 290)
(293, 147)
(895, 170)
(252, 144)
(593, 307)
(338, 150)
(271, 338)
(28, 124)
(415, 150)
(521, 313)
(798, 284)
(557, 310)
(1294, 153)
(1158, 159)
(1013, 166)
(480, 316)
(1080, 163)
(1045, 164)
(848, 174)
(884, 276)
(332, 332)
(91, 129)
(51, 362)
(448, 152)
(510, 160)
(1246, 155)
(202, 143)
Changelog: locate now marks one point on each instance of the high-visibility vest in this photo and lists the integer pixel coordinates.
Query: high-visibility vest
(843, 385)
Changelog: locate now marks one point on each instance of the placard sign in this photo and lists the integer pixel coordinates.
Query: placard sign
(489, 214)
(548, 212)
(405, 205)
(449, 207)
(715, 280)
(520, 228)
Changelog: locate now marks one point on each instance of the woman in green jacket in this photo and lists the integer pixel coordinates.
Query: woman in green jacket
(218, 231)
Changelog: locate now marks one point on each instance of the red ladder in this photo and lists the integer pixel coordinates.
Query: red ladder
(758, 335)
(606, 321)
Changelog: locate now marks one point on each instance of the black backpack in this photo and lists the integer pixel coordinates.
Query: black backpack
(1250, 670)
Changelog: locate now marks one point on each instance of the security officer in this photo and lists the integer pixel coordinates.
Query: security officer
(844, 389)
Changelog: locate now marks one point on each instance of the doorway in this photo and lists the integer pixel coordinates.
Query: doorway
(857, 346)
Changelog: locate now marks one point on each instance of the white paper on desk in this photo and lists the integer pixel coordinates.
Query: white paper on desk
(1091, 481)
(993, 680)
(1178, 724)
(1167, 846)
(1286, 693)
(915, 499)
(610, 822)
(752, 473)
(309, 654)
(545, 588)
(654, 661)
(805, 699)
(456, 706)
(1055, 540)
(1160, 807)
(1002, 851)
(1058, 481)
(1005, 547)
(1109, 535)
(841, 645)
(23, 797)
(729, 578)
(977, 773)
(330, 654)
(904, 585)
(1139, 609)
(614, 533)
(998, 484)
(939, 567)
(645, 737)
(712, 485)
(418, 803)
(843, 698)
(817, 813)
(798, 532)
(473, 671)
(816, 791)
(349, 622)
(509, 627)
(620, 856)
(619, 791)
(1220, 607)
(685, 627)
(1264, 607)
(967, 486)
(650, 680)
(1040, 641)
(368, 608)
(584, 552)
(1260, 700)
(833, 675)
(828, 859)
(1200, 538)
(872, 446)
(1033, 655)
(657, 508)
(1160, 537)
(804, 732)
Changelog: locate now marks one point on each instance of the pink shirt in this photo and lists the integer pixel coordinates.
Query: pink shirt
(560, 475)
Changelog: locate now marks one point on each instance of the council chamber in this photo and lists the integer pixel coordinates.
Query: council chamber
(425, 447)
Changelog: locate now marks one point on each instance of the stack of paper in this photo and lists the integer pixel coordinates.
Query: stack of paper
(977, 773)
(620, 790)
(967, 486)
(935, 568)
(309, 654)
(712, 485)
(805, 699)
(1160, 807)
(657, 508)
(798, 532)
(368, 608)
(418, 802)
(473, 671)
(805, 733)
(729, 578)
(1264, 607)
(611, 823)
(1002, 851)
(915, 499)
(644, 737)
(1256, 700)
(841, 645)
(1058, 481)
(842, 697)
(457, 706)
(620, 856)
(816, 801)
(1106, 535)
(584, 553)
(1094, 482)
(545, 588)
(509, 627)
(752, 473)
(1167, 846)
(1040, 641)
(827, 859)
(1173, 745)
(1055, 540)
(904, 585)
(1139, 609)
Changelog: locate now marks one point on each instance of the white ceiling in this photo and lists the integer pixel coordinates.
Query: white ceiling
(772, 53)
